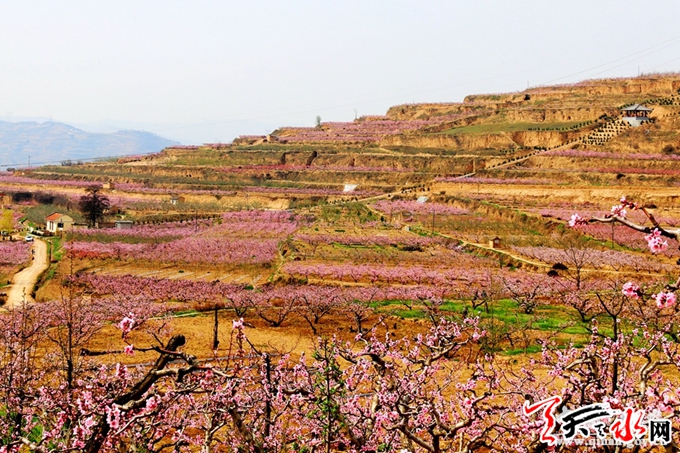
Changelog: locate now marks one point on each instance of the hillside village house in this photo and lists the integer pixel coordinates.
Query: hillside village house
(114, 210)
(56, 222)
(177, 199)
(636, 114)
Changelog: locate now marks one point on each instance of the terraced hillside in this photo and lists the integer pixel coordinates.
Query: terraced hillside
(551, 116)
(545, 137)
(504, 248)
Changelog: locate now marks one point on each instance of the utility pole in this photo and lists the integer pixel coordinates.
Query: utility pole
(29, 161)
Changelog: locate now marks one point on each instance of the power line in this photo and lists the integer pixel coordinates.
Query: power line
(628, 62)
(618, 59)
(262, 114)
(258, 115)
(663, 64)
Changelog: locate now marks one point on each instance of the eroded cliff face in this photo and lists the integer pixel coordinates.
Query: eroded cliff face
(553, 115)
(544, 194)
(500, 140)
(585, 105)
(647, 85)
(581, 95)
(406, 162)
(651, 86)
(615, 163)
(444, 141)
(428, 110)
(529, 139)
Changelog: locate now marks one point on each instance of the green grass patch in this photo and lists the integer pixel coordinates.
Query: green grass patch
(386, 303)
(506, 311)
(531, 349)
(46, 276)
(186, 314)
(353, 246)
(106, 238)
(409, 314)
(55, 250)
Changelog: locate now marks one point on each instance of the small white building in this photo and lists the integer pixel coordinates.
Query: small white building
(177, 199)
(124, 224)
(636, 114)
(495, 243)
(56, 222)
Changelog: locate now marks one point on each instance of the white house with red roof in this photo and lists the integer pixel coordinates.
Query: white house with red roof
(56, 222)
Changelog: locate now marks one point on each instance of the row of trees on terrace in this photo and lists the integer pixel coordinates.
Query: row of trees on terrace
(434, 390)
(431, 391)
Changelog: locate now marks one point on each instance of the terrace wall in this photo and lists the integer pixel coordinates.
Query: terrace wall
(415, 111)
(647, 85)
(596, 163)
(462, 141)
(530, 139)
(501, 140)
(558, 115)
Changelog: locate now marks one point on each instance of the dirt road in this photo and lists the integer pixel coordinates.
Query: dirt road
(23, 281)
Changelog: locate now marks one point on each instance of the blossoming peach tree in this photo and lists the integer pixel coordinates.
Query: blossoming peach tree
(432, 391)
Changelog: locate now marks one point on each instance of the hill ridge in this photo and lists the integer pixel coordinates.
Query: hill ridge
(52, 141)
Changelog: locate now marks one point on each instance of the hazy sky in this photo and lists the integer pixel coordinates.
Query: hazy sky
(202, 70)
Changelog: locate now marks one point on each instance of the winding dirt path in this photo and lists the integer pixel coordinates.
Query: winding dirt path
(24, 280)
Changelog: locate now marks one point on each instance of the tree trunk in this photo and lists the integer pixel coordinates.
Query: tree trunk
(101, 431)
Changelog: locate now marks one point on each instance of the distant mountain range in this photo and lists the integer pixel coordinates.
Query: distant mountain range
(52, 142)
